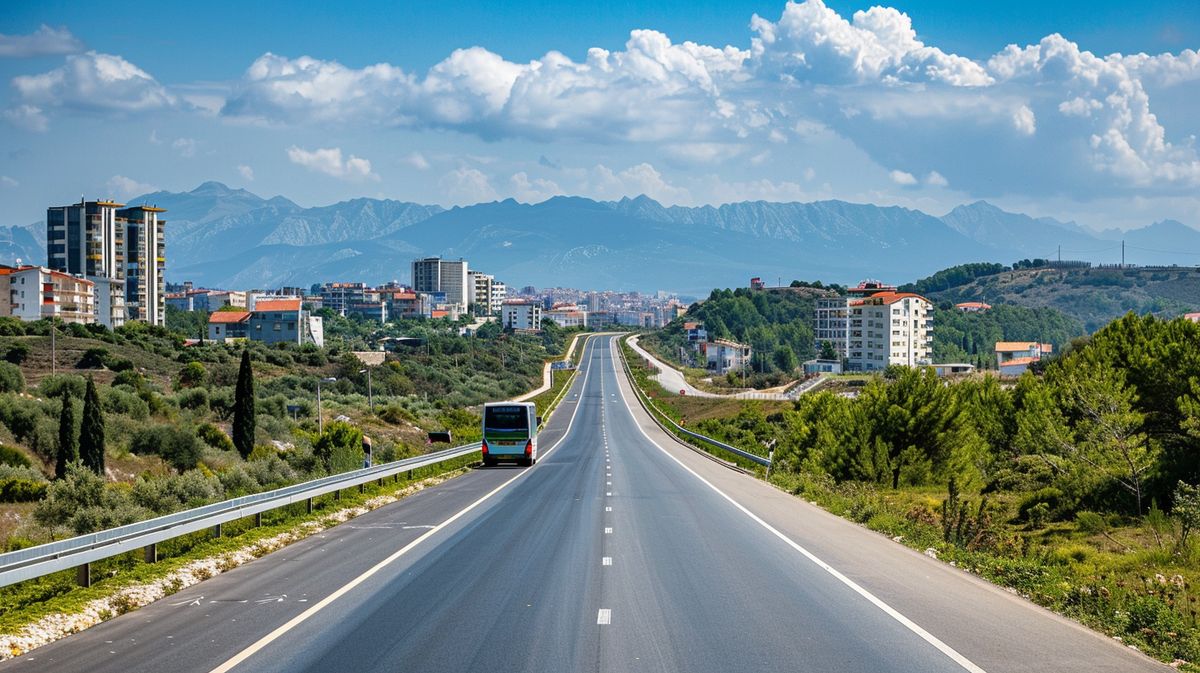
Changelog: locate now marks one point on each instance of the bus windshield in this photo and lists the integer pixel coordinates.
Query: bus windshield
(506, 418)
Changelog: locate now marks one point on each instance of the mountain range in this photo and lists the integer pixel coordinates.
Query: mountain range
(223, 237)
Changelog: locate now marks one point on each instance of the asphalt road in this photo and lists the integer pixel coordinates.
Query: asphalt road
(621, 550)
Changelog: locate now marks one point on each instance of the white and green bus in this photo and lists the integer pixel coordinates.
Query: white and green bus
(510, 432)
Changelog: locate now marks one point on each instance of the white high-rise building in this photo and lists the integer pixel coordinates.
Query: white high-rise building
(434, 274)
(890, 328)
(488, 294)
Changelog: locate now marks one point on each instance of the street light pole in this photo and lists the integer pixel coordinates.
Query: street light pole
(320, 420)
(370, 394)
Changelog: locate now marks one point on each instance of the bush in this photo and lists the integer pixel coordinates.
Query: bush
(176, 445)
(214, 437)
(52, 386)
(93, 358)
(11, 378)
(1051, 497)
(191, 375)
(83, 503)
(192, 398)
(17, 353)
(118, 401)
(1091, 523)
(13, 457)
(340, 448)
(164, 495)
(22, 490)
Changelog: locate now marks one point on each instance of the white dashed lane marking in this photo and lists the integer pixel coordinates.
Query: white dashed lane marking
(606, 561)
(604, 616)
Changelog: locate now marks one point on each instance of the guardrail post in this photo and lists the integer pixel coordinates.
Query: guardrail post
(83, 575)
(310, 505)
(410, 475)
(362, 488)
(216, 530)
(258, 520)
(150, 553)
(380, 482)
(337, 495)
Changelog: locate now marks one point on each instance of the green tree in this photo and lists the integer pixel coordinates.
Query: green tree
(785, 359)
(828, 352)
(243, 408)
(191, 375)
(68, 441)
(340, 447)
(91, 432)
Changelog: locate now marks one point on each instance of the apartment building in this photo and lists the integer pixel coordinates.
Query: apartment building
(568, 316)
(121, 250)
(434, 274)
(724, 356)
(36, 292)
(831, 323)
(889, 328)
(145, 263)
(522, 315)
(488, 294)
(226, 326)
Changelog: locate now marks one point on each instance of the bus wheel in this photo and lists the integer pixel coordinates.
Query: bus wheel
(488, 461)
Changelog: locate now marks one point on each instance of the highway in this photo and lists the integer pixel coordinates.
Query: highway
(621, 550)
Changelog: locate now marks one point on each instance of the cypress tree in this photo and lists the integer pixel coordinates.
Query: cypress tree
(68, 441)
(243, 408)
(91, 432)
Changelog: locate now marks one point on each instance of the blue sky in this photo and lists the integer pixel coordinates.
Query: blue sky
(920, 104)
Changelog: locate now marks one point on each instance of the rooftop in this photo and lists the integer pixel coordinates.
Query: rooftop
(277, 305)
(1014, 346)
(224, 317)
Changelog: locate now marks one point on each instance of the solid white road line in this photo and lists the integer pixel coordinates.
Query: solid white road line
(608, 531)
(608, 509)
(606, 561)
(928, 637)
(304, 616)
(604, 616)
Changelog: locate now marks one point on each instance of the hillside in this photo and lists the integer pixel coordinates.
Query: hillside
(224, 237)
(1093, 296)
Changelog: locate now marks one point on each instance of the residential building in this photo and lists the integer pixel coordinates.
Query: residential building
(757, 283)
(85, 239)
(695, 332)
(953, 369)
(36, 292)
(487, 293)
(973, 307)
(404, 304)
(219, 298)
(338, 297)
(1014, 357)
(831, 322)
(145, 263)
(567, 316)
(600, 319)
(226, 326)
(283, 320)
(434, 274)
(724, 356)
(889, 328)
(522, 315)
(1194, 317)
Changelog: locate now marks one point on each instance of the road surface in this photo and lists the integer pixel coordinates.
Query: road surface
(621, 550)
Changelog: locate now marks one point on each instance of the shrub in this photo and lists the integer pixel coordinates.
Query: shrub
(164, 495)
(1038, 514)
(11, 378)
(272, 472)
(13, 457)
(191, 375)
(117, 401)
(176, 445)
(1052, 497)
(22, 490)
(10, 326)
(93, 358)
(121, 365)
(1091, 523)
(17, 353)
(340, 447)
(214, 437)
(83, 503)
(192, 398)
(52, 386)
(396, 414)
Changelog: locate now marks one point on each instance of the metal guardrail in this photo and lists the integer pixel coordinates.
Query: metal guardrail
(754, 458)
(32, 562)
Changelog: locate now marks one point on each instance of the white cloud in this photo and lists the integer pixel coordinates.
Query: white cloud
(466, 186)
(95, 82)
(811, 42)
(45, 41)
(602, 182)
(329, 161)
(535, 190)
(902, 178)
(6, 181)
(1024, 120)
(186, 147)
(246, 172)
(124, 188)
(935, 179)
(28, 118)
(416, 160)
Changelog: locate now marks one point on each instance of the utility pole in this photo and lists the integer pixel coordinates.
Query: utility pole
(1122, 253)
(53, 349)
(370, 394)
(1060, 254)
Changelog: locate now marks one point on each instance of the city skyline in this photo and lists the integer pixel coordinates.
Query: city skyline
(890, 105)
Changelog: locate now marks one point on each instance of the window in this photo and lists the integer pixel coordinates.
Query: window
(277, 326)
(291, 326)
